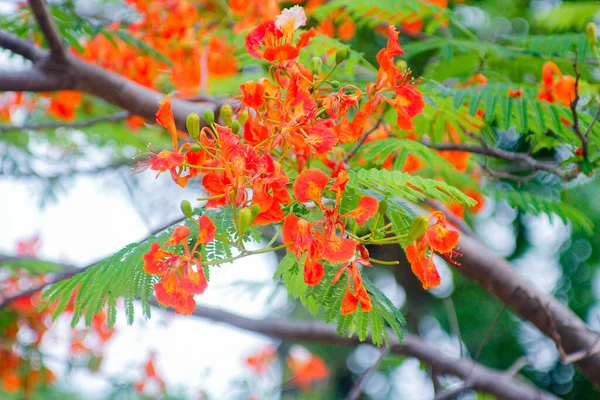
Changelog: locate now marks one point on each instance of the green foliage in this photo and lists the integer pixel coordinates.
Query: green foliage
(404, 186)
(375, 12)
(325, 301)
(376, 153)
(530, 203)
(122, 275)
(568, 15)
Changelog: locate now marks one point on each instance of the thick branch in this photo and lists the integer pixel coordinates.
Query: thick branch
(497, 153)
(76, 74)
(49, 29)
(481, 378)
(34, 80)
(549, 315)
(21, 46)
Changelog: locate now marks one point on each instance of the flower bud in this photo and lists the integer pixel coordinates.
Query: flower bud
(209, 116)
(590, 34)
(245, 219)
(195, 147)
(186, 208)
(340, 55)
(255, 209)
(402, 65)
(235, 126)
(335, 84)
(226, 113)
(315, 65)
(193, 125)
(418, 228)
(243, 117)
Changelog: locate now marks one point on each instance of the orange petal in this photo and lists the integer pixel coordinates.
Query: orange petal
(310, 185)
(180, 233)
(206, 234)
(164, 116)
(366, 208)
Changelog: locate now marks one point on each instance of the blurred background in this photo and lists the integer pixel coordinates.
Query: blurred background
(54, 181)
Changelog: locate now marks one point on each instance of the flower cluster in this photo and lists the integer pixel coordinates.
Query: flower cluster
(323, 239)
(182, 275)
(284, 126)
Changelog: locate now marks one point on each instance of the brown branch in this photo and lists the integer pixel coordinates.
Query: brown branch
(21, 46)
(48, 27)
(358, 385)
(483, 379)
(497, 153)
(573, 105)
(549, 315)
(76, 74)
(119, 116)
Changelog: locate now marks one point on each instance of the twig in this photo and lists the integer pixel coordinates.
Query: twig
(589, 129)
(354, 393)
(119, 116)
(573, 106)
(453, 318)
(49, 29)
(362, 139)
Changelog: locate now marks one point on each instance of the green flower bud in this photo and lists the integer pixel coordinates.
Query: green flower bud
(193, 125)
(255, 209)
(590, 34)
(418, 228)
(195, 147)
(340, 55)
(226, 114)
(402, 65)
(383, 207)
(243, 117)
(235, 126)
(209, 116)
(186, 208)
(245, 219)
(334, 84)
(315, 65)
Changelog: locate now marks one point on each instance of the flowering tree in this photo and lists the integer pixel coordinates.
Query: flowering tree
(341, 156)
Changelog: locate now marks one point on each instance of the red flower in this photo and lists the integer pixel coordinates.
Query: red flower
(182, 276)
(306, 369)
(420, 253)
(262, 360)
(356, 292)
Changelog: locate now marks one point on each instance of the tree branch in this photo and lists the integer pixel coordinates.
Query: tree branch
(119, 116)
(48, 27)
(21, 46)
(497, 153)
(482, 378)
(76, 74)
(549, 315)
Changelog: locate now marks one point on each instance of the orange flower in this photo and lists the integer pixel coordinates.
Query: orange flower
(306, 368)
(63, 104)
(515, 93)
(420, 253)
(182, 276)
(262, 360)
(359, 294)
(277, 36)
(556, 86)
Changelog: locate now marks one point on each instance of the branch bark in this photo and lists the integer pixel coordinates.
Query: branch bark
(498, 383)
(549, 315)
(72, 73)
(46, 23)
